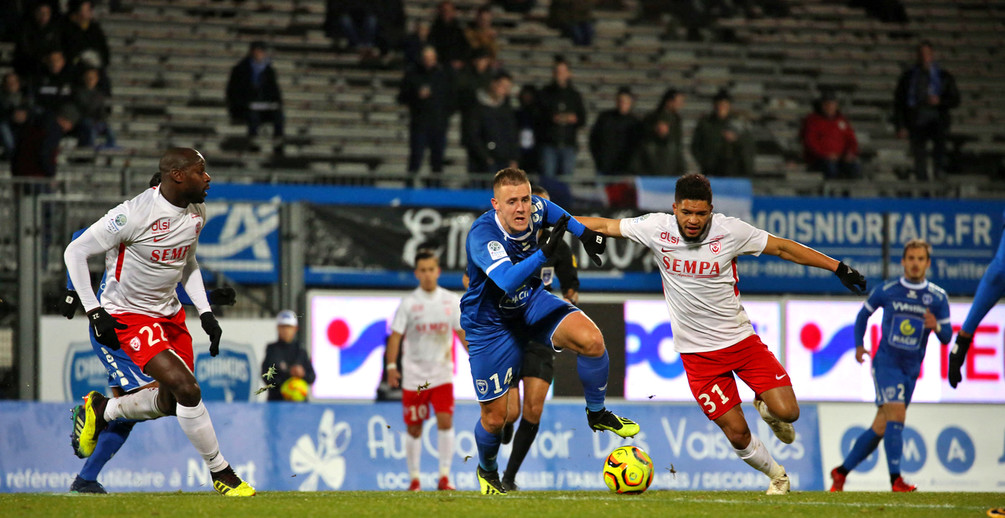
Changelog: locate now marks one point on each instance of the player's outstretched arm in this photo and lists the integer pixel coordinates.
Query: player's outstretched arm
(801, 254)
(606, 226)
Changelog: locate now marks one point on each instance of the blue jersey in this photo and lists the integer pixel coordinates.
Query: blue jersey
(503, 269)
(989, 290)
(904, 337)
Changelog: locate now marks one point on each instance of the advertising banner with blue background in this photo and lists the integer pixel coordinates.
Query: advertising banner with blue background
(322, 447)
(366, 237)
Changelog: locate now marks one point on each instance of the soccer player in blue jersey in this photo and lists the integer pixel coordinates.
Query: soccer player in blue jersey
(989, 290)
(506, 306)
(124, 377)
(912, 308)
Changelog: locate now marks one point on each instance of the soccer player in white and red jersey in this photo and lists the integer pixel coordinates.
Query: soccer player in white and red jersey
(423, 330)
(696, 253)
(149, 244)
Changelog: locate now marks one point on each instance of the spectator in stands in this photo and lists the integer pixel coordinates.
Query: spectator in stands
(493, 141)
(473, 78)
(925, 94)
(481, 34)
(528, 122)
(54, 87)
(38, 142)
(429, 93)
(661, 147)
(416, 40)
(829, 142)
(722, 143)
(83, 40)
(574, 18)
(38, 36)
(357, 19)
(447, 36)
(253, 94)
(562, 115)
(517, 6)
(15, 107)
(92, 104)
(614, 135)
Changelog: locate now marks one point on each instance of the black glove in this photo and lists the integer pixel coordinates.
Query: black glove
(104, 326)
(69, 303)
(225, 296)
(594, 243)
(956, 357)
(212, 328)
(557, 233)
(851, 279)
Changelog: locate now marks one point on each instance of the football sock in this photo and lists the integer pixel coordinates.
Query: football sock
(195, 422)
(893, 443)
(109, 442)
(593, 376)
(140, 405)
(413, 453)
(863, 447)
(522, 440)
(758, 457)
(488, 447)
(445, 447)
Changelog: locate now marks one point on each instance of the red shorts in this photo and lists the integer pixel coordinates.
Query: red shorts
(416, 403)
(710, 374)
(146, 336)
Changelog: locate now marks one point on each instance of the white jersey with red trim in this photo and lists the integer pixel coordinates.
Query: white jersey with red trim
(149, 240)
(427, 322)
(699, 278)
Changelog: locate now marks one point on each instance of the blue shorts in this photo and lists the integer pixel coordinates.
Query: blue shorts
(894, 381)
(122, 372)
(496, 352)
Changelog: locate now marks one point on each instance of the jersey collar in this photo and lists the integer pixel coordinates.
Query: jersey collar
(521, 237)
(912, 286)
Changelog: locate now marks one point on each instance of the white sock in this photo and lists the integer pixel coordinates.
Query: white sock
(413, 452)
(758, 457)
(140, 405)
(195, 422)
(445, 445)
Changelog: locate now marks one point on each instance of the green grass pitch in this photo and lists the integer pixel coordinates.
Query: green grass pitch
(537, 504)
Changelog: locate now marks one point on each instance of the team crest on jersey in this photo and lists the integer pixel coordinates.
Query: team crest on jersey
(482, 386)
(926, 299)
(715, 247)
(496, 250)
(135, 343)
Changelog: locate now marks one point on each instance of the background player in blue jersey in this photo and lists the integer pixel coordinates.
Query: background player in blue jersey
(505, 306)
(124, 376)
(912, 308)
(990, 289)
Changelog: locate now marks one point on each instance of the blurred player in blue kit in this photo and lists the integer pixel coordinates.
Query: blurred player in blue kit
(124, 377)
(989, 291)
(506, 306)
(912, 308)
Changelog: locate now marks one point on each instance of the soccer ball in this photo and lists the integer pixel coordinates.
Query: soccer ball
(628, 469)
(294, 389)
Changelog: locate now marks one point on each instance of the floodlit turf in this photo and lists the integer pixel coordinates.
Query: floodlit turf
(536, 504)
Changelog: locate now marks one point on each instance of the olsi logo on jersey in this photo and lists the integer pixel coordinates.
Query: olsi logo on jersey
(161, 226)
(169, 255)
(666, 236)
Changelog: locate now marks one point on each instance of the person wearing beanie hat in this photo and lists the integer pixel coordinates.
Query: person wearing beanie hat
(286, 356)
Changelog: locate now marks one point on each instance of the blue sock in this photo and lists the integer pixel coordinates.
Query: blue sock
(488, 447)
(893, 443)
(593, 376)
(863, 447)
(109, 442)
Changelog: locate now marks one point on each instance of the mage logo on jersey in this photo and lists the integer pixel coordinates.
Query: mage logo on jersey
(227, 376)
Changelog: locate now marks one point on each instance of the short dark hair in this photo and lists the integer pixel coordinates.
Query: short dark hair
(425, 254)
(155, 180)
(917, 243)
(693, 187)
(510, 176)
(538, 190)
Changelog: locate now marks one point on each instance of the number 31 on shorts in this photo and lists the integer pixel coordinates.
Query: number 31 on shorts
(706, 400)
